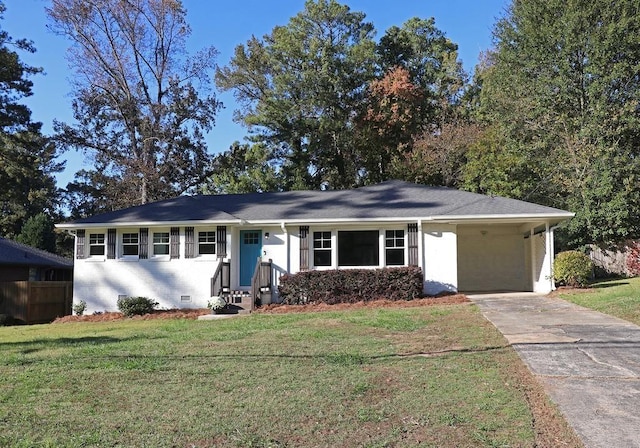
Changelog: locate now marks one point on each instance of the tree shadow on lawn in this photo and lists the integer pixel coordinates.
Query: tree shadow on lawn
(608, 285)
(37, 345)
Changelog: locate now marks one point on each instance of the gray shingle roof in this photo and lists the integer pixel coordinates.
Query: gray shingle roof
(13, 253)
(387, 200)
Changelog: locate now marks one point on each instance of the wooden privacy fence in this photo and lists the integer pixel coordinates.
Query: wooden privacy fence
(36, 302)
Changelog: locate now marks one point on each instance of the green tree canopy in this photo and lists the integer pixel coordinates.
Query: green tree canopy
(561, 93)
(38, 232)
(301, 87)
(27, 159)
(334, 106)
(243, 168)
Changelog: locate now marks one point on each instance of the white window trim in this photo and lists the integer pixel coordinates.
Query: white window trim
(382, 255)
(121, 244)
(332, 239)
(196, 238)
(104, 246)
(405, 248)
(152, 244)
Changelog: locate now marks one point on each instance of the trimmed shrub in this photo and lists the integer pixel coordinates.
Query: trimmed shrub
(572, 268)
(351, 285)
(136, 306)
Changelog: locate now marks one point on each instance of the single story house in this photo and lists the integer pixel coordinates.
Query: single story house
(19, 262)
(182, 251)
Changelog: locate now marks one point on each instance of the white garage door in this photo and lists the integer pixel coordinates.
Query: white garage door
(492, 258)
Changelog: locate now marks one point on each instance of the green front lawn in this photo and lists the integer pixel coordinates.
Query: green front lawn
(429, 376)
(620, 298)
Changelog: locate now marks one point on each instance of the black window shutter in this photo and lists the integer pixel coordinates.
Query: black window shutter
(111, 244)
(412, 233)
(304, 248)
(143, 252)
(80, 243)
(174, 248)
(189, 246)
(221, 241)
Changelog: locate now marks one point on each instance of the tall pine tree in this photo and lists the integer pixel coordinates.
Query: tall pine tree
(27, 159)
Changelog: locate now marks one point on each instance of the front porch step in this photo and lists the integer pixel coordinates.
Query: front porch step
(239, 301)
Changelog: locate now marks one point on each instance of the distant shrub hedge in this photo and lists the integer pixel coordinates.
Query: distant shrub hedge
(133, 306)
(351, 285)
(572, 268)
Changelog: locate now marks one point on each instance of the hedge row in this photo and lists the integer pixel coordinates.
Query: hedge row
(351, 285)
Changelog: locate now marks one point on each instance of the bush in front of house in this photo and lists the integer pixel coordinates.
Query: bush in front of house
(136, 306)
(79, 307)
(351, 285)
(572, 268)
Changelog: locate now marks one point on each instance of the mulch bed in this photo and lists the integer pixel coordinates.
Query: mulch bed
(272, 309)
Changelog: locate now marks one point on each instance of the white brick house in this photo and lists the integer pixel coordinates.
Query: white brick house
(181, 251)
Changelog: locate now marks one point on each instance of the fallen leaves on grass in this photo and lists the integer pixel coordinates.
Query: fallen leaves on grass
(274, 309)
(158, 314)
(314, 307)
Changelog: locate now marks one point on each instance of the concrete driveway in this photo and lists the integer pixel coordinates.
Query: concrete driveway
(588, 362)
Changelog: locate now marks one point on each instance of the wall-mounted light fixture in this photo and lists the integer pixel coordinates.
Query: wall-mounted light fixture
(483, 232)
(266, 235)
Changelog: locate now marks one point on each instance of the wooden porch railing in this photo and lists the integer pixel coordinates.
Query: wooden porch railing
(221, 280)
(261, 280)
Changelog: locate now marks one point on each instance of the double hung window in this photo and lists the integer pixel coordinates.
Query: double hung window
(322, 248)
(130, 244)
(96, 244)
(394, 247)
(161, 243)
(206, 243)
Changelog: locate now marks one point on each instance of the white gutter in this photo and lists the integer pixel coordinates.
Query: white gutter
(71, 226)
(355, 220)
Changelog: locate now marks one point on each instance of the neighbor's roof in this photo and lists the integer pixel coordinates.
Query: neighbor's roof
(13, 253)
(391, 200)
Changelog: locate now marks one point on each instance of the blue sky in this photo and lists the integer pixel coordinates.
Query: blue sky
(226, 24)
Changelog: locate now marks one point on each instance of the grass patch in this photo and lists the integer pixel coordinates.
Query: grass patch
(430, 376)
(620, 298)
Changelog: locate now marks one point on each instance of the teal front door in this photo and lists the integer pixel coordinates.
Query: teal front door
(250, 250)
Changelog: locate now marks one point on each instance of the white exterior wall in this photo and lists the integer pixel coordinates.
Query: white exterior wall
(276, 248)
(542, 261)
(439, 258)
(99, 281)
